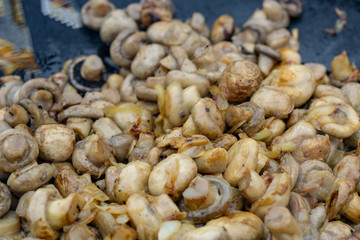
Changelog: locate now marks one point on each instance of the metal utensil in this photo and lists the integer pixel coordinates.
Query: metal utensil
(63, 11)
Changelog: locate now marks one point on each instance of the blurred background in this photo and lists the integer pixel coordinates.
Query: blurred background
(54, 42)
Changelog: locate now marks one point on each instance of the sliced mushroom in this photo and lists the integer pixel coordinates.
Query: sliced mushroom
(216, 189)
(48, 212)
(30, 177)
(172, 175)
(208, 118)
(250, 115)
(133, 178)
(83, 70)
(80, 111)
(126, 45)
(92, 156)
(121, 144)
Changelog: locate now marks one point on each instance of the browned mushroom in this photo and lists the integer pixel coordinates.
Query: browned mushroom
(240, 80)
(94, 12)
(153, 11)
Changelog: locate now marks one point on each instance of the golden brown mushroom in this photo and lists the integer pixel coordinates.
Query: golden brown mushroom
(240, 80)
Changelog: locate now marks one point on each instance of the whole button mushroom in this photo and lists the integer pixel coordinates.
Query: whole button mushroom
(18, 149)
(115, 23)
(208, 118)
(94, 13)
(240, 80)
(56, 142)
(9, 92)
(172, 175)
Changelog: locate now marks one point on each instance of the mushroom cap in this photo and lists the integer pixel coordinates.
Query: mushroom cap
(18, 149)
(39, 83)
(81, 84)
(30, 177)
(115, 23)
(56, 142)
(240, 80)
(90, 19)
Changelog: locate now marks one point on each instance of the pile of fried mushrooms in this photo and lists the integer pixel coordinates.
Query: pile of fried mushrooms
(205, 133)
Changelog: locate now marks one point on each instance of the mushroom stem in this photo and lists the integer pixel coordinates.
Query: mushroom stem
(91, 68)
